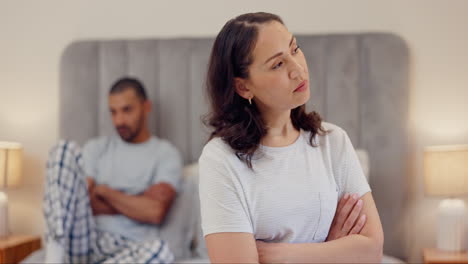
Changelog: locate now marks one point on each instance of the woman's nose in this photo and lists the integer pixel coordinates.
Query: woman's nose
(293, 74)
(296, 70)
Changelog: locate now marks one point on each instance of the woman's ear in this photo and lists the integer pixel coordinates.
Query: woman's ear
(242, 89)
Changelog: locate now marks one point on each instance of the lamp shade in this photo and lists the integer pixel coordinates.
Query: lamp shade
(446, 170)
(11, 155)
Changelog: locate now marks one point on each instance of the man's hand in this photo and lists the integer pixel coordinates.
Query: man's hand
(149, 207)
(101, 190)
(98, 205)
(347, 220)
(91, 183)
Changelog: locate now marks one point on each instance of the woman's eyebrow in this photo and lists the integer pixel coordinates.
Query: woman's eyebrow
(292, 40)
(280, 53)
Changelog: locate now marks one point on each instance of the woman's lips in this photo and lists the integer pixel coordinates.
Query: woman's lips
(302, 87)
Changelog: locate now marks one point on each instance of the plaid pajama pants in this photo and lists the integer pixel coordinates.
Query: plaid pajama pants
(69, 218)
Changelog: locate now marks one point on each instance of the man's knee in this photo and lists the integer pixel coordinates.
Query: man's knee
(63, 148)
(64, 156)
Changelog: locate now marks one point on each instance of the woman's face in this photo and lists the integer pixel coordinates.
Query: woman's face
(278, 76)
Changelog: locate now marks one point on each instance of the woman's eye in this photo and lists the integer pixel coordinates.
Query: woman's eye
(296, 50)
(277, 65)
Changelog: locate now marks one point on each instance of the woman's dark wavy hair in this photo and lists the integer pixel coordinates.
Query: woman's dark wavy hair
(237, 122)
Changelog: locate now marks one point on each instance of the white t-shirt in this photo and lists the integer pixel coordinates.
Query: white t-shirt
(131, 168)
(290, 195)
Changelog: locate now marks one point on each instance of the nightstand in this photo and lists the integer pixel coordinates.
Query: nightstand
(15, 248)
(433, 256)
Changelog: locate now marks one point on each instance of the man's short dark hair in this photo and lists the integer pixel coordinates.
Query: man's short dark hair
(129, 83)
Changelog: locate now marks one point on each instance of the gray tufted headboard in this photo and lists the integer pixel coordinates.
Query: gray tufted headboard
(358, 81)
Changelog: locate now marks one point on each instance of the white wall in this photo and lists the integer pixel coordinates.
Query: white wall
(33, 35)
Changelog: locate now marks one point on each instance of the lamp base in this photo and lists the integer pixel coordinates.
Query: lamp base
(4, 231)
(451, 225)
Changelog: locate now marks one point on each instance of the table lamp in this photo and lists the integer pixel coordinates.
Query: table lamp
(10, 174)
(446, 175)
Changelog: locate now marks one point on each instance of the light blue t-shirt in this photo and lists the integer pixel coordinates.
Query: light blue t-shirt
(131, 168)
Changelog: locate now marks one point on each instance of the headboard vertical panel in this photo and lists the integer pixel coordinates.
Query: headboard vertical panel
(342, 84)
(79, 93)
(173, 115)
(143, 63)
(314, 48)
(384, 64)
(198, 133)
(113, 63)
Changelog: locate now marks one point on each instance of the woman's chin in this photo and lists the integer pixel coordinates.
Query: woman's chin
(300, 100)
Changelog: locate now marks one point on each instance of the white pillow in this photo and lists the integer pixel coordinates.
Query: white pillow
(179, 227)
(364, 160)
(190, 171)
(199, 250)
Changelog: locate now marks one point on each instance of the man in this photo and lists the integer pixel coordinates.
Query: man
(106, 202)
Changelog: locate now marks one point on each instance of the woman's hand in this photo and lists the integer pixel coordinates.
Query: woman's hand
(347, 218)
(271, 252)
(345, 222)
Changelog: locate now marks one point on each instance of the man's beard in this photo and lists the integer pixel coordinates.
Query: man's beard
(126, 132)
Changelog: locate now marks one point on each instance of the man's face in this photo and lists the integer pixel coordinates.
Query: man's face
(128, 113)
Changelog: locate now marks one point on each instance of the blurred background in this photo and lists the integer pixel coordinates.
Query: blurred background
(33, 35)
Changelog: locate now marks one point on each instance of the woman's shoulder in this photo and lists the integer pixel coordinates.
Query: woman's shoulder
(217, 148)
(335, 139)
(332, 133)
(332, 129)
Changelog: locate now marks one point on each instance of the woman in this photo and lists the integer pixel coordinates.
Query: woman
(271, 174)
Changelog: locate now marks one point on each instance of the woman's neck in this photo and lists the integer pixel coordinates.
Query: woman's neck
(280, 130)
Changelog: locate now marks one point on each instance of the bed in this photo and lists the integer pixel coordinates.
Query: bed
(358, 81)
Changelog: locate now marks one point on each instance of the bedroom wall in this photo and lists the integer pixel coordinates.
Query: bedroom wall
(34, 34)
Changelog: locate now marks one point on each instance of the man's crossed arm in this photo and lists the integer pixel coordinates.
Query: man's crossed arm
(150, 207)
